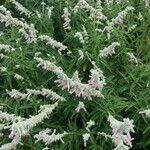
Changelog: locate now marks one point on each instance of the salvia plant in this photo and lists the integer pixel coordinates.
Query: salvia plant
(74, 74)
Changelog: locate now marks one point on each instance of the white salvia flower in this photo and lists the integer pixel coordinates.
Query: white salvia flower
(90, 124)
(21, 8)
(132, 58)
(16, 94)
(66, 17)
(99, 4)
(118, 1)
(46, 148)
(48, 139)
(121, 15)
(147, 3)
(31, 36)
(108, 51)
(132, 27)
(9, 117)
(4, 10)
(37, 54)
(2, 55)
(95, 14)
(6, 48)
(84, 33)
(140, 17)
(97, 80)
(17, 66)
(117, 21)
(146, 112)
(12, 145)
(73, 86)
(52, 42)
(98, 30)
(121, 133)
(43, 4)
(81, 55)
(109, 2)
(82, 4)
(22, 128)
(80, 37)
(49, 11)
(38, 14)
(75, 76)
(44, 92)
(6, 17)
(18, 77)
(86, 137)
(1, 135)
(50, 93)
(1, 34)
(2, 126)
(80, 106)
(3, 69)
(31, 92)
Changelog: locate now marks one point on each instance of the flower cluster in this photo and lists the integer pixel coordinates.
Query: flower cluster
(21, 8)
(28, 31)
(90, 124)
(140, 17)
(67, 20)
(86, 137)
(80, 106)
(30, 34)
(82, 36)
(95, 14)
(16, 94)
(6, 48)
(18, 77)
(44, 92)
(22, 128)
(52, 42)
(117, 21)
(147, 3)
(108, 3)
(146, 112)
(121, 133)
(3, 69)
(73, 85)
(132, 27)
(9, 117)
(109, 51)
(49, 11)
(48, 139)
(12, 145)
(132, 58)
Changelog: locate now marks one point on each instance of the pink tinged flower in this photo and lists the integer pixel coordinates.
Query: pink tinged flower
(79, 90)
(62, 83)
(86, 137)
(115, 131)
(80, 106)
(128, 139)
(88, 96)
(93, 83)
